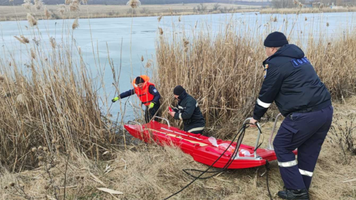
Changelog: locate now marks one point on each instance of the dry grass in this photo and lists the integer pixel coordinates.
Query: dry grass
(51, 121)
(72, 10)
(8, 13)
(52, 102)
(224, 72)
(332, 60)
(306, 10)
(152, 172)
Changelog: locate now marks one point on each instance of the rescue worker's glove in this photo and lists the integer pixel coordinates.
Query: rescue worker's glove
(175, 109)
(115, 99)
(151, 105)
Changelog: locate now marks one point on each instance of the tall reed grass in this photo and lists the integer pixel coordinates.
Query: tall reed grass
(53, 102)
(51, 116)
(224, 71)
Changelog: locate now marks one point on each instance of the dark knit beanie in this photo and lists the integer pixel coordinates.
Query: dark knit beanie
(275, 39)
(178, 90)
(139, 80)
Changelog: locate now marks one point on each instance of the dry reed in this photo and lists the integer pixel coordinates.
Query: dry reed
(224, 72)
(54, 98)
(32, 21)
(151, 172)
(62, 9)
(55, 110)
(134, 3)
(46, 13)
(74, 5)
(27, 4)
(38, 4)
(22, 39)
(75, 24)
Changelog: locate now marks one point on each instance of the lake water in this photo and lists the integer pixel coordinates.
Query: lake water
(142, 33)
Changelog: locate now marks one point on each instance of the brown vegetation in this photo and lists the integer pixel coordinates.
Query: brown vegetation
(51, 122)
(8, 13)
(225, 73)
(52, 99)
(151, 172)
(11, 13)
(306, 10)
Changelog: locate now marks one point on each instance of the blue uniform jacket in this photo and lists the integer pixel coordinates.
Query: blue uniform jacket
(291, 81)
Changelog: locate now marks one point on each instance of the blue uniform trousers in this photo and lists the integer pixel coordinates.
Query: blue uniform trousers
(305, 132)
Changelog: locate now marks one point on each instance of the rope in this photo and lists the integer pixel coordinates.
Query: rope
(267, 170)
(240, 134)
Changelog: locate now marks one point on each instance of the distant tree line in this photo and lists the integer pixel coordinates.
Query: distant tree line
(273, 3)
(114, 2)
(291, 3)
(283, 4)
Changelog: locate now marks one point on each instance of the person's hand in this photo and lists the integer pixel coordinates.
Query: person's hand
(172, 113)
(151, 105)
(253, 122)
(115, 99)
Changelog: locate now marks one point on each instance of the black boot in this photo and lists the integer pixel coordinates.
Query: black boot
(294, 194)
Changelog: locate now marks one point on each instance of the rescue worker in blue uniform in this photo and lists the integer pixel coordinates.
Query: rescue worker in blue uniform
(188, 110)
(305, 102)
(147, 93)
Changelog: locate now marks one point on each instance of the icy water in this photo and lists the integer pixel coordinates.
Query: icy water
(96, 36)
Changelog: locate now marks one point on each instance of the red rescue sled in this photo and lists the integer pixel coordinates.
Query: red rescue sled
(201, 148)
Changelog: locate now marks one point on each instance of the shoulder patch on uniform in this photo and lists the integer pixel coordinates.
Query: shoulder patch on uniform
(265, 70)
(300, 61)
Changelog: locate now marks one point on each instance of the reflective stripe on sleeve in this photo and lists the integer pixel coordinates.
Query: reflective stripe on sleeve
(263, 104)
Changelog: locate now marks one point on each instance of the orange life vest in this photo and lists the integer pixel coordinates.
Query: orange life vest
(143, 94)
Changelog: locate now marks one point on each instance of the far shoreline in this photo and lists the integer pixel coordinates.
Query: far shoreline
(19, 13)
